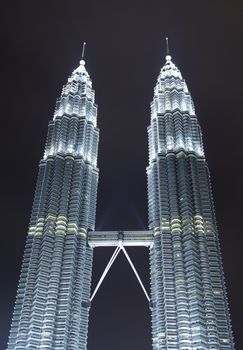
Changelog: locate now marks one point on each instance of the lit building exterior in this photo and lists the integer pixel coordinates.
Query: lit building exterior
(52, 304)
(188, 297)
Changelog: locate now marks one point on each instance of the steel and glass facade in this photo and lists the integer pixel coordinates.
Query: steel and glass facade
(52, 305)
(188, 298)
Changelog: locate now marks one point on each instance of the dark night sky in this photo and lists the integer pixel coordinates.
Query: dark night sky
(41, 45)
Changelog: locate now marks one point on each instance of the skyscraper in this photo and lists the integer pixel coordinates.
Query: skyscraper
(189, 304)
(52, 304)
(188, 297)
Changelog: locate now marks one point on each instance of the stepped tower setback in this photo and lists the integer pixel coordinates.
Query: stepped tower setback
(187, 299)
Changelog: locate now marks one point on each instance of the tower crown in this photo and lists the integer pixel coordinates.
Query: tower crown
(78, 81)
(174, 125)
(73, 129)
(80, 74)
(169, 69)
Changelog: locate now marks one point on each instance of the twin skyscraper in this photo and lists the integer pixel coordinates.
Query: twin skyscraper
(188, 297)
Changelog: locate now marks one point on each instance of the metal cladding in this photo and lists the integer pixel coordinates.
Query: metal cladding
(53, 298)
(188, 296)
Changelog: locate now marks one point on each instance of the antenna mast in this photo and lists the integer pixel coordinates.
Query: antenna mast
(167, 46)
(83, 49)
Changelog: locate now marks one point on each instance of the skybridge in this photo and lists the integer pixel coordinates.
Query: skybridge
(120, 240)
(128, 238)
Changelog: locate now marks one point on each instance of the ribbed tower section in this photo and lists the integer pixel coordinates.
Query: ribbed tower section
(52, 305)
(188, 296)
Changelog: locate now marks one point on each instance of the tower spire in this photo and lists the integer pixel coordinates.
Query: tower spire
(82, 61)
(83, 50)
(168, 56)
(167, 46)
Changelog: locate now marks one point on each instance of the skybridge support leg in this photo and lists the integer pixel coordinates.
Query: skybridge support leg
(111, 261)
